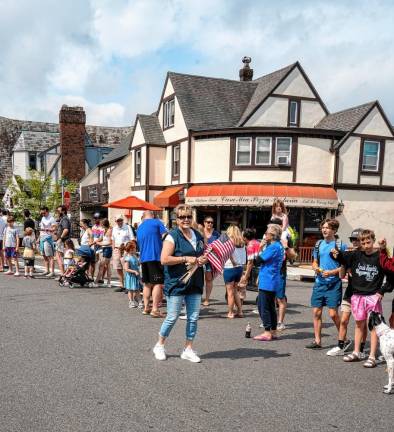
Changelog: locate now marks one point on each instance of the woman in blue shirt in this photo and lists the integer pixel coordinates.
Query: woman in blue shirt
(271, 259)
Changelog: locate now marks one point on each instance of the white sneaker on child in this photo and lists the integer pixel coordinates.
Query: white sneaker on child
(140, 305)
(132, 304)
(16, 274)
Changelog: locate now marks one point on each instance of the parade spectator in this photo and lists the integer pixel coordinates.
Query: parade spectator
(327, 290)
(387, 265)
(149, 239)
(132, 275)
(28, 222)
(105, 254)
(182, 246)
(30, 246)
(121, 234)
(210, 235)
(97, 235)
(2, 228)
(47, 247)
(63, 233)
(87, 242)
(270, 259)
(11, 246)
(4, 215)
(69, 254)
(233, 269)
(279, 211)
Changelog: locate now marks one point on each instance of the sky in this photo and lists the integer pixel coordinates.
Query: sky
(112, 56)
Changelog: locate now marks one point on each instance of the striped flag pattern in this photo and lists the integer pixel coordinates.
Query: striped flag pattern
(218, 252)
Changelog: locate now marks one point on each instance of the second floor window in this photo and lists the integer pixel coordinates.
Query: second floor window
(176, 150)
(371, 153)
(243, 151)
(263, 151)
(283, 151)
(32, 161)
(294, 107)
(138, 164)
(169, 113)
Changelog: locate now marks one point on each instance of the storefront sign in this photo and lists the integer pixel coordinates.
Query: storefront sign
(260, 201)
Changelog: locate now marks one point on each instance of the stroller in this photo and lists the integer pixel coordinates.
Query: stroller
(77, 274)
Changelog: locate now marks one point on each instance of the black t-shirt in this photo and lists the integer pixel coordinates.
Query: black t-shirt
(367, 275)
(29, 223)
(64, 223)
(290, 245)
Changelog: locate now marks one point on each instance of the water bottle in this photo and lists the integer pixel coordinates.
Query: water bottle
(248, 330)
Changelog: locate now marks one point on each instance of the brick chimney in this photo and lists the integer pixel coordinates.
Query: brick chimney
(246, 74)
(72, 142)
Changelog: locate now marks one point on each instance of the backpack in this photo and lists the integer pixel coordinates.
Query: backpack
(293, 235)
(316, 250)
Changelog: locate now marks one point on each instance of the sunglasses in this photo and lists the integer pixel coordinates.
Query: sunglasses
(184, 217)
(210, 222)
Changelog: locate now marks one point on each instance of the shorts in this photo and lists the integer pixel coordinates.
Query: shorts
(10, 252)
(152, 273)
(281, 291)
(47, 248)
(232, 274)
(107, 252)
(346, 307)
(59, 246)
(29, 262)
(117, 259)
(362, 305)
(329, 295)
(1, 244)
(207, 267)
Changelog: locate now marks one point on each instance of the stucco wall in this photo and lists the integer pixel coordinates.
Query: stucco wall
(20, 162)
(273, 112)
(367, 209)
(168, 165)
(349, 155)
(169, 89)
(263, 176)
(370, 180)
(295, 85)
(311, 113)
(91, 178)
(179, 130)
(314, 161)
(118, 187)
(157, 166)
(183, 165)
(374, 124)
(388, 167)
(138, 137)
(211, 158)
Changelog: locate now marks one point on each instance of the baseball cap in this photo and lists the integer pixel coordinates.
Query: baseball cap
(96, 215)
(356, 233)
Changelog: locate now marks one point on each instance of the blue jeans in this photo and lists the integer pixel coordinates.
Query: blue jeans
(174, 306)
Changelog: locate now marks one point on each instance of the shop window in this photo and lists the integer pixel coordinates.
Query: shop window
(243, 151)
(283, 151)
(32, 161)
(137, 165)
(176, 151)
(371, 153)
(169, 114)
(294, 113)
(263, 151)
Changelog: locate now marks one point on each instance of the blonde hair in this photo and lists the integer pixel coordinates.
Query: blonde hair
(235, 235)
(275, 230)
(29, 231)
(183, 208)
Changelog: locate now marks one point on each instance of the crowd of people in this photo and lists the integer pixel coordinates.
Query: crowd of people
(151, 262)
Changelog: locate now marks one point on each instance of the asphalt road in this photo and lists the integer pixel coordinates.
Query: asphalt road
(80, 360)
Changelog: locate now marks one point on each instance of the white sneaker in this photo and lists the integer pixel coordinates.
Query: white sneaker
(159, 352)
(261, 325)
(189, 354)
(183, 317)
(281, 326)
(255, 311)
(93, 285)
(132, 304)
(140, 305)
(336, 351)
(17, 274)
(50, 275)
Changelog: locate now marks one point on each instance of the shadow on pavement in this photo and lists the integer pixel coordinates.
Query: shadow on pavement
(240, 353)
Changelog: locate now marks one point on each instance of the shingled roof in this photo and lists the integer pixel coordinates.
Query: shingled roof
(119, 152)
(151, 129)
(34, 141)
(345, 120)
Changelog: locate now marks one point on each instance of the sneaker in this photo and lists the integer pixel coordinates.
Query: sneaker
(313, 346)
(347, 345)
(17, 274)
(280, 327)
(183, 317)
(140, 305)
(50, 275)
(93, 285)
(336, 351)
(255, 311)
(189, 354)
(132, 304)
(159, 352)
(9, 272)
(261, 325)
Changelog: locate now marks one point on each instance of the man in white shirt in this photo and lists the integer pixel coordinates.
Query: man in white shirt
(121, 234)
(47, 247)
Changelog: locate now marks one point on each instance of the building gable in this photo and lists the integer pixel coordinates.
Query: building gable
(295, 85)
(138, 136)
(374, 124)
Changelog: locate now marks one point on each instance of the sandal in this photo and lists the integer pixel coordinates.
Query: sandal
(146, 312)
(353, 357)
(206, 303)
(370, 363)
(230, 316)
(157, 314)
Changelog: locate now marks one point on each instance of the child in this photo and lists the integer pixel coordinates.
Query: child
(30, 246)
(387, 265)
(69, 250)
(132, 279)
(279, 212)
(367, 281)
(11, 246)
(327, 290)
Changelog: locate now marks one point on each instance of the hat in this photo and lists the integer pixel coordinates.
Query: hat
(97, 215)
(120, 217)
(356, 233)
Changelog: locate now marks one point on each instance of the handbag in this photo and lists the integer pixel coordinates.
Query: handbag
(28, 253)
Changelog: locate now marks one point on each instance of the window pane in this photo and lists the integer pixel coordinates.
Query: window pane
(283, 151)
(371, 156)
(176, 153)
(243, 151)
(283, 144)
(293, 112)
(263, 151)
(172, 112)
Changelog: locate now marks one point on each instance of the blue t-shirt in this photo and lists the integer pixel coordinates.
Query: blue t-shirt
(326, 262)
(215, 235)
(149, 241)
(269, 275)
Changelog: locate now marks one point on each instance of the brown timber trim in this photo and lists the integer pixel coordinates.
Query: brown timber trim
(298, 112)
(188, 185)
(175, 176)
(297, 98)
(372, 137)
(167, 98)
(150, 145)
(362, 187)
(381, 160)
(189, 156)
(143, 188)
(147, 157)
(294, 157)
(177, 141)
(379, 172)
(135, 165)
(232, 159)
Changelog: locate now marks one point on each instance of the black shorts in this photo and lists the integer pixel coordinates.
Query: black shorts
(152, 273)
(29, 262)
(1, 244)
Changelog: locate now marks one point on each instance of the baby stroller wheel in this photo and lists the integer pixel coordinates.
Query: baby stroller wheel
(61, 282)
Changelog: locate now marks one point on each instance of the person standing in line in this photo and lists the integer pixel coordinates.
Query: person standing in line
(28, 222)
(210, 235)
(4, 215)
(132, 275)
(11, 246)
(149, 239)
(105, 253)
(121, 234)
(97, 234)
(30, 246)
(183, 245)
(2, 228)
(387, 265)
(327, 290)
(270, 259)
(87, 241)
(47, 248)
(63, 233)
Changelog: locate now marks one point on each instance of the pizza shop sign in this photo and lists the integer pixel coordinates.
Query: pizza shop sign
(260, 201)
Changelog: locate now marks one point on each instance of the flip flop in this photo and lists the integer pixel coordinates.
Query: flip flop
(157, 315)
(263, 338)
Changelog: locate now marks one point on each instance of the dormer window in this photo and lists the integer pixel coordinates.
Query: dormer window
(176, 157)
(137, 165)
(169, 113)
(294, 113)
(371, 154)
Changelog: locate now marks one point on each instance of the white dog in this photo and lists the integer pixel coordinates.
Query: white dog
(386, 338)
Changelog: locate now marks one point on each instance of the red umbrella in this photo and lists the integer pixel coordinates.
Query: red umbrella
(132, 203)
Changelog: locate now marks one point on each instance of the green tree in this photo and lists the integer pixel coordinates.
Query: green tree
(36, 191)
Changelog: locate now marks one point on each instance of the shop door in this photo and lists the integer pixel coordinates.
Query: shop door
(259, 219)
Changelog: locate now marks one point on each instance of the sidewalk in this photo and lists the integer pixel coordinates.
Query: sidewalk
(300, 273)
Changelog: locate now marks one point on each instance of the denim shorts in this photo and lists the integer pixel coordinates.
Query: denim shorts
(10, 252)
(232, 274)
(329, 295)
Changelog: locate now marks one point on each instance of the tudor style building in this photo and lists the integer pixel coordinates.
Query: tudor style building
(230, 147)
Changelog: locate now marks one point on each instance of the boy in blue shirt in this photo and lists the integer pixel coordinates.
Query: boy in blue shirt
(327, 290)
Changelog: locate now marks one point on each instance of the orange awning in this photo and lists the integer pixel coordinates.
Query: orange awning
(263, 195)
(168, 198)
(132, 203)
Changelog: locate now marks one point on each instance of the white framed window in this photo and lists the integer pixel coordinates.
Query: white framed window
(176, 150)
(243, 152)
(283, 151)
(371, 153)
(169, 113)
(137, 164)
(294, 106)
(263, 151)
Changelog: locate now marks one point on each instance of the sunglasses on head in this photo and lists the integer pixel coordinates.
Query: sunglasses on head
(184, 217)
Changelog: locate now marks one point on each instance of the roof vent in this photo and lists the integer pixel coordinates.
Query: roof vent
(246, 74)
